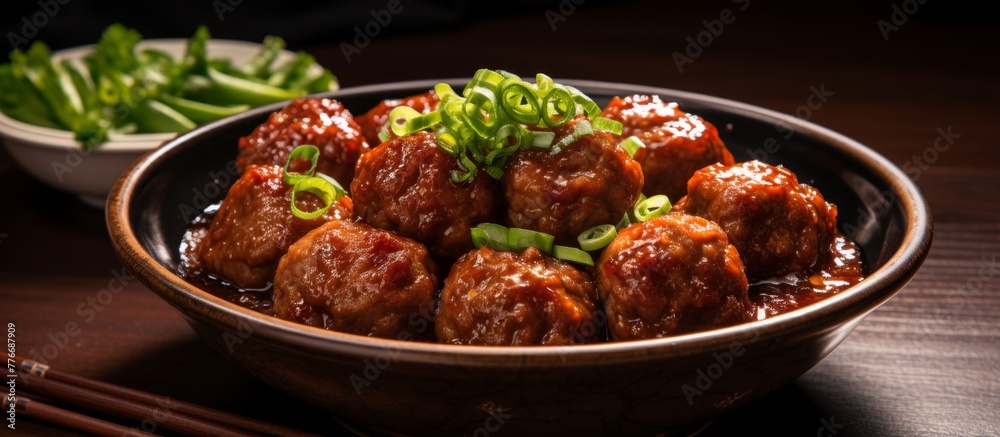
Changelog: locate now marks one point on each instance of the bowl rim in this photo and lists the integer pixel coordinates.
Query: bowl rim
(852, 303)
(60, 139)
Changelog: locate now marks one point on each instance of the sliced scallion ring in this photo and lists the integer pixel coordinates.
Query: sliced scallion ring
(597, 237)
(399, 118)
(302, 152)
(573, 255)
(607, 125)
(319, 187)
(631, 145)
(652, 207)
(520, 239)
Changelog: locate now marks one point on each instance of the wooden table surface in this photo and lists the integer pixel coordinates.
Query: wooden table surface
(926, 362)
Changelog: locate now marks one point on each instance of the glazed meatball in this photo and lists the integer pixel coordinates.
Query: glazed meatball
(404, 185)
(778, 225)
(671, 275)
(377, 118)
(254, 227)
(351, 277)
(590, 182)
(517, 299)
(677, 143)
(323, 123)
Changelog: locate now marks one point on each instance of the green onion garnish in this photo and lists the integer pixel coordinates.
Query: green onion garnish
(495, 236)
(597, 237)
(321, 188)
(383, 136)
(502, 238)
(632, 144)
(581, 129)
(652, 207)
(573, 255)
(486, 124)
(302, 152)
(520, 239)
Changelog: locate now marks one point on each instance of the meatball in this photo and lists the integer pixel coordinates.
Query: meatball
(517, 299)
(671, 275)
(323, 123)
(254, 227)
(778, 225)
(350, 277)
(677, 143)
(404, 185)
(377, 118)
(590, 182)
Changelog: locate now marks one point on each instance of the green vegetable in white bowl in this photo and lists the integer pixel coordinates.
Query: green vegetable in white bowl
(121, 87)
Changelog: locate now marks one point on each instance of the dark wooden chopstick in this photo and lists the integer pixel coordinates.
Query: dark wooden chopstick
(69, 419)
(138, 405)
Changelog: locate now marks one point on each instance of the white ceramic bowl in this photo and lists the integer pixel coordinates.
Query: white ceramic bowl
(53, 157)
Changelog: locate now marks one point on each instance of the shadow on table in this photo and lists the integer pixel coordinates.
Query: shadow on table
(192, 372)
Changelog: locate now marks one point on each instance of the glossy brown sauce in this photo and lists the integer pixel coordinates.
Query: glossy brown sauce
(841, 269)
(254, 299)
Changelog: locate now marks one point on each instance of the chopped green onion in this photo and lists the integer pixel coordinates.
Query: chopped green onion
(597, 237)
(520, 102)
(542, 139)
(302, 152)
(632, 144)
(581, 129)
(341, 191)
(489, 121)
(496, 236)
(573, 255)
(607, 125)
(383, 136)
(399, 117)
(321, 188)
(557, 107)
(652, 207)
(520, 239)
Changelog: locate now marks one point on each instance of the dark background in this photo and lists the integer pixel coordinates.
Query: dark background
(904, 371)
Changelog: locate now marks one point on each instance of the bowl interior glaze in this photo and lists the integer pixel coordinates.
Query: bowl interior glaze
(626, 388)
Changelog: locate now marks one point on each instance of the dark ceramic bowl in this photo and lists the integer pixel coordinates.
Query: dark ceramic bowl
(669, 385)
